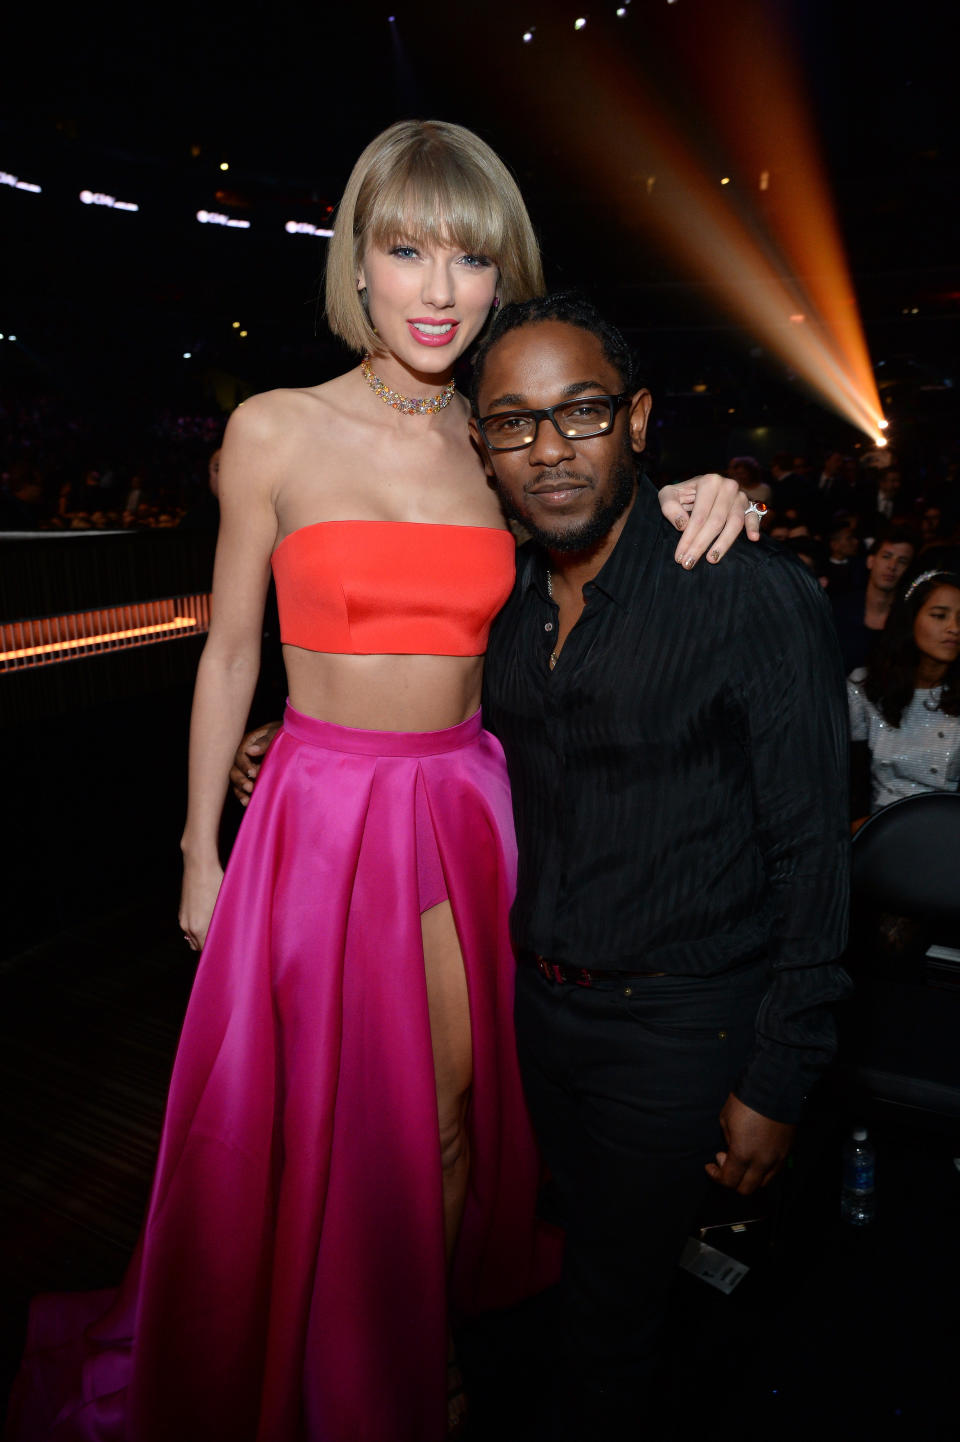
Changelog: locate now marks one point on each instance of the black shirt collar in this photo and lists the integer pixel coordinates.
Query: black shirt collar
(620, 575)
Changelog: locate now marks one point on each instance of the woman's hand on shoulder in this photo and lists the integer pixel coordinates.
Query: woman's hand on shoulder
(711, 511)
(198, 896)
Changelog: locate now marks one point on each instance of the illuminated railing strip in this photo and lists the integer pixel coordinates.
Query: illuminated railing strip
(50, 639)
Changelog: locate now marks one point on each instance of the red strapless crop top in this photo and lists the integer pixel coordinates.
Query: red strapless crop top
(392, 587)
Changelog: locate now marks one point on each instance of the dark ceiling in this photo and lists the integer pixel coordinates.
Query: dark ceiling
(146, 106)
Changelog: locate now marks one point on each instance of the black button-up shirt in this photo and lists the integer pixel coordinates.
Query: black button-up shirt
(680, 780)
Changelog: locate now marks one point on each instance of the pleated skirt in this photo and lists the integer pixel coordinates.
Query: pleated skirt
(290, 1282)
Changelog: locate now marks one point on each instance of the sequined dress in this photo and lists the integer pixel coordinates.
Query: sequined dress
(921, 754)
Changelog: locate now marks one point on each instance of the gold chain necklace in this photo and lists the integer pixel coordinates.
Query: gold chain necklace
(553, 653)
(409, 405)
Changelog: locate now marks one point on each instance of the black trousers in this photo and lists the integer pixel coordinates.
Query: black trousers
(625, 1083)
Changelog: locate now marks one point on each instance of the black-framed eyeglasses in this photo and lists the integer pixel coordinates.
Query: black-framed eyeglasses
(575, 420)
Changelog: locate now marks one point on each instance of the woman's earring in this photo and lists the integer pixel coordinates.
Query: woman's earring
(496, 302)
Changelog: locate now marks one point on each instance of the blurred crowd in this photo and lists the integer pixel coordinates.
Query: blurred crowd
(886, 548)
(61, 473)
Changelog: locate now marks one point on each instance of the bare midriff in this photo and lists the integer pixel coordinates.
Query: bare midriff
(384, 693)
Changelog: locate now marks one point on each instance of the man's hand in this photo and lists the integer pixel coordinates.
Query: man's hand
(711, 512)
(756, 1148)
(249, 759)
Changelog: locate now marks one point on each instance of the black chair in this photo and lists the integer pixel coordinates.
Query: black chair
(906, 859)
(900, 1033)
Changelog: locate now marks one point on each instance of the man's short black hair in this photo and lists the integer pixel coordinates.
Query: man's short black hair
(891, 535)
(572, 308)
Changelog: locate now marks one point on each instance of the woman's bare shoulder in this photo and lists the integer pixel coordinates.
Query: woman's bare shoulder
(277, 415)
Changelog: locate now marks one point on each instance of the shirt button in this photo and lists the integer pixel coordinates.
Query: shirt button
(940, 734)
(548, 625)
(933, 770)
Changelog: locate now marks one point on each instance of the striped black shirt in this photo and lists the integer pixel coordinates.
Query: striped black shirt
(680, 780)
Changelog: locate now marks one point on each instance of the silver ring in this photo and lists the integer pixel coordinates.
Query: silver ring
(754, 509)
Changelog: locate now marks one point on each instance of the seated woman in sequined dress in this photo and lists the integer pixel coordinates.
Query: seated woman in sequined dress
(906, 707)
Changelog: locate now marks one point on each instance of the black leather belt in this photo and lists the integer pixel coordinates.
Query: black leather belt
(561, 974)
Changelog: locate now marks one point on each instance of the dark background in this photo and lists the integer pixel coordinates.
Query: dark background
(145, 105)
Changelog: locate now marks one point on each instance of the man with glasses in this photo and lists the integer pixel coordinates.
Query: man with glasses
(677, 748)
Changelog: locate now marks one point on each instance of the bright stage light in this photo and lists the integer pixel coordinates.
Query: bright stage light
(579, 24)
(224, 165)
(883, 425)
(881, 441)
(725, 180)
(528, 36)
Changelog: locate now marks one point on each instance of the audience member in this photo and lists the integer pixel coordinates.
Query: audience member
(843, 544)
(204, 515)
(745, 470)
(906, 709)
(882, 499)
(789, 486)
(812, 553)
(860, 614)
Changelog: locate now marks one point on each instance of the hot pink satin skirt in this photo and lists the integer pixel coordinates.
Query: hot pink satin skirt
(290, 1281)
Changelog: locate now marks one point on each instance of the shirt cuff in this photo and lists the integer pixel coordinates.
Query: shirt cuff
(776, 1085)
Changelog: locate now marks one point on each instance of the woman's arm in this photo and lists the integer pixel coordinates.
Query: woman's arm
(229, 666)
(711, 511)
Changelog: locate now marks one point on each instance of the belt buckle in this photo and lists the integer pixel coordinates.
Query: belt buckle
(552, 970)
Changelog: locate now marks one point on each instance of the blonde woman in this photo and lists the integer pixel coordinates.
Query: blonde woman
(346, 1145)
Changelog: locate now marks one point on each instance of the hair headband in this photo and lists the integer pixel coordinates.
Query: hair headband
(919, 580)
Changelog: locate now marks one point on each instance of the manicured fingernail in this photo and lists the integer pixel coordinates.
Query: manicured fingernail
(251, 774)
(714, 555)
(680, 522)
(687, 562)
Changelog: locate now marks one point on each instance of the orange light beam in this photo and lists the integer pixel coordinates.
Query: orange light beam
(716, 232)
(749, 72)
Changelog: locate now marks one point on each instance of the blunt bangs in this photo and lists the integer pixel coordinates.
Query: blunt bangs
(437, 204)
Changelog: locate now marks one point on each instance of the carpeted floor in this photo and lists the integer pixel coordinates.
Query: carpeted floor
(833, 1333)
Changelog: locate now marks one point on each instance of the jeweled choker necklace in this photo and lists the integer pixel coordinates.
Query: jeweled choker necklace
(409, 405)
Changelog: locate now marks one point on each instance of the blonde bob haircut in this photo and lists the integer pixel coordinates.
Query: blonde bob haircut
(430, 183)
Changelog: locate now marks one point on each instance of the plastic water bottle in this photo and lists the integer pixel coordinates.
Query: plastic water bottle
(857, 1203)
